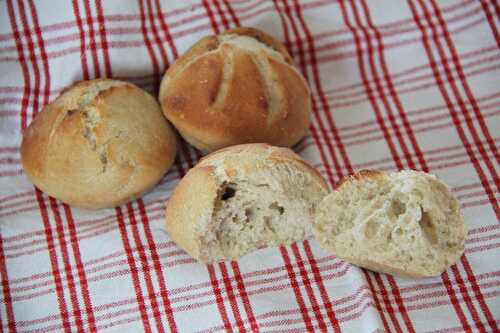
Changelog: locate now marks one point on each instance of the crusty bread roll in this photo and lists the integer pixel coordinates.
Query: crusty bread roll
(99, 144)
(237, 87)
(406, 223)
(242, 198)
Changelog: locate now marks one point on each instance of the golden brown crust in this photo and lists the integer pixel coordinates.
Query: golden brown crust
(182, 219)
(360, 175)
(99, 144)
(221, 93)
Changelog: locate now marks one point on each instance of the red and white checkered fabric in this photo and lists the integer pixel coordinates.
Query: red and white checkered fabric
(395, 84)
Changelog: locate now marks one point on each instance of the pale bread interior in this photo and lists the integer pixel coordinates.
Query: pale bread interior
(405, 223)
(264, 208)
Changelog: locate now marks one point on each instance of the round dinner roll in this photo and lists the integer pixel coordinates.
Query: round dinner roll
(243, 198)
(406, 223)
(101, 143)
(237, 87)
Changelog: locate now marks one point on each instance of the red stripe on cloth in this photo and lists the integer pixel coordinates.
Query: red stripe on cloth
(154, 61)
(92, 44)
(131, 18)
(455, 302)
(22, 61)
(469, 94)
(224, 20)
(11, 320)
(181, 33)
(43, 210)
(43, 54)
(170, 41)
(384, 294)
(166, 31)
(157, 266)
(77, 313)
(380, 89)
(465, 112)
(307, 284)
(477, 292)
(377, 301)
(145, 268)
(390, 85)
(427, 85)
(83, 48)
(152, 26)
(211, 16)
(244, 296)
(368, 89)
(232, 13)
(453, 112)
(296, 289)
(467, 299)
(324, 103)
(133, 270)
(321, 286)
(104, 40)
(400, 304)
(406, 76)
(63, 310)
(32, 57)
(313, 130)
(80, 268)
(491, 20)
(218, 298)
(461, 134)
(231, 297)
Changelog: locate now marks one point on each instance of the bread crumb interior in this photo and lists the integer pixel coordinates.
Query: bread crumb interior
(262, 210)
(403, 221)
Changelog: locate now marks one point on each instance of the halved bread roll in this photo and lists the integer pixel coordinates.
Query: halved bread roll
(243, 198)
(406, 223)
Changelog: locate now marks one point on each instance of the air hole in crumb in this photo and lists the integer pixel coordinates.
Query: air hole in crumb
(229, 192)
(451, 245)
(71, 112)
(277, 207)
(371, 229)
(398, 207)
(427, 227)
(249, 213)
(268, 223)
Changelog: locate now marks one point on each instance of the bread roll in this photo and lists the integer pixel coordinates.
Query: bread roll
(242, 198)
(237, 87)
(99, 144)
(406, 223)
